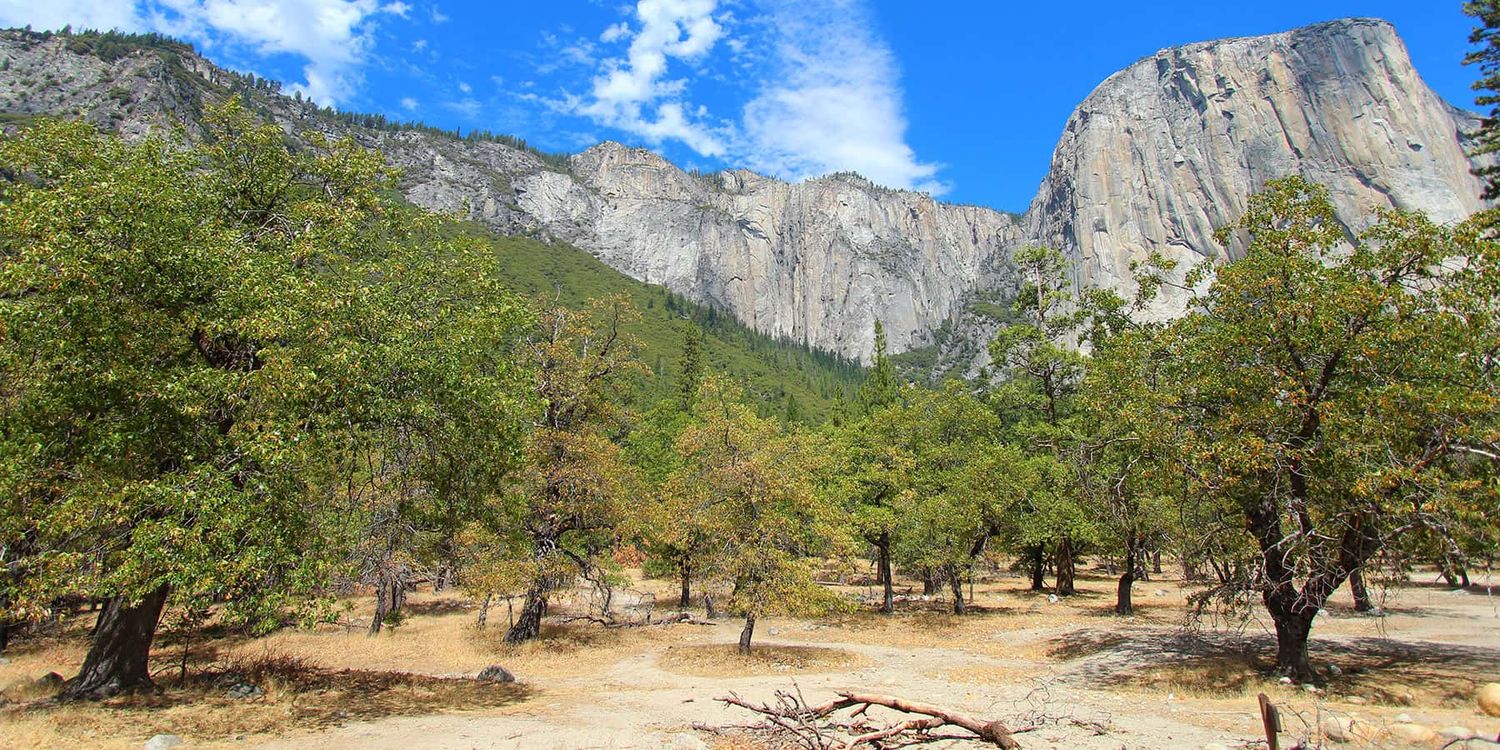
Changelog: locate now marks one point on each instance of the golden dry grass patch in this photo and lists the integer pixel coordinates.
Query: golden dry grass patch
(295, 695)
(722, 660)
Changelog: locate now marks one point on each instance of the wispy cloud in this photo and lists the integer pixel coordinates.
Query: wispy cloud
(81, 14)
(332, 36)
(833, 101)
(634, 94)
(824, 93)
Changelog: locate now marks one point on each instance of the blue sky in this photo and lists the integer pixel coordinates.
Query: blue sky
(963, 99)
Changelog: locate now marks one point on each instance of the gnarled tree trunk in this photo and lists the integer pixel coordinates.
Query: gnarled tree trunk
(1292, 631)
(390, 597)
(1037, 557)
(685, 599)
(1123, 603)
(119, 657)
(529, 624)
(484, 611)
(745, 634)
(1361, 594)
(883, 546)
(956, 581)
(1065, 567)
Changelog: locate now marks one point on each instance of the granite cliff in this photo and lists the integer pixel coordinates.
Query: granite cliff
(1153, 160)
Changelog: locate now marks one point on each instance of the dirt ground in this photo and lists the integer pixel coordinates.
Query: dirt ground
(1074, 673)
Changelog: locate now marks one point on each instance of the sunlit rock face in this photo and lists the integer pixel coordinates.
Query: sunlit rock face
(1167, 150)
(1156, 158)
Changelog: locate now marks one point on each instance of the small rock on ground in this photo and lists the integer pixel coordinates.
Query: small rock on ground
(1337, 728)
(1488, 698)
(163, 742)
(1456, 733)
(1414, 734)
(496, 673)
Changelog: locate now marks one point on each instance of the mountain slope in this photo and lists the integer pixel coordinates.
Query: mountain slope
(780, 377)
(1151, 162)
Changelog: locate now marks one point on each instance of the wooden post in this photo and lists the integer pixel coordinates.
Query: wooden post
(1271, 720)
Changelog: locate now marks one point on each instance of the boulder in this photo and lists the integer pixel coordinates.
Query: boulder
(1337, 728)
(496, 673)
(245, 691)
(163, 742)
(1488, 698)
(1412, 733)
(1456, 733)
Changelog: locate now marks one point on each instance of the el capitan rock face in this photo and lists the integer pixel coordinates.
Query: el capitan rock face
(1167, 150)
(1153, 160)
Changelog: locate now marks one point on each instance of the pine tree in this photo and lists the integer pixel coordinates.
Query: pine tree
(692, 365)
(880, 388)
(1487, 57)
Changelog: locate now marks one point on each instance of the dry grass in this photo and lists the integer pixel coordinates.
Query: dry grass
(988, 674)
(296, 695)
(725, 661)
(314, 679)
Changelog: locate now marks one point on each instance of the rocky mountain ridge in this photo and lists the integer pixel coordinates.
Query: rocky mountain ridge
(1155, 158)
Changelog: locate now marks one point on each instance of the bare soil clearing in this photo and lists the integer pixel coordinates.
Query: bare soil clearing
(1083, 677)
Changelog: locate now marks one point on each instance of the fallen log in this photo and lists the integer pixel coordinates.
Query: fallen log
(792, 715)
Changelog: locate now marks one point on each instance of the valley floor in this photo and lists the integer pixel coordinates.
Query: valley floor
(1081, 676)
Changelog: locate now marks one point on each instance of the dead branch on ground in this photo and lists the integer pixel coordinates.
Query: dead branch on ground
(819, 728)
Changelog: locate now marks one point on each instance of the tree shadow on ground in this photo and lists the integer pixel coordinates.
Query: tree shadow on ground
(444, 606)
(1385, 670)
(287, 692)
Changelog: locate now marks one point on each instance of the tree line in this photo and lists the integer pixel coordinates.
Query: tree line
(242, 379)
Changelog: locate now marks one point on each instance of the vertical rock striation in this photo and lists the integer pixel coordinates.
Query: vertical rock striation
(1167, 150)
(1157, 157)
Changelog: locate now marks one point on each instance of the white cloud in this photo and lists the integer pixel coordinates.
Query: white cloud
(833, 101)
(634, 95)
(464, 87)
(333, 36)
(409, 104)
(615, 33)
(438, 16)
(468, 107)
(830, 98)
(80, 14)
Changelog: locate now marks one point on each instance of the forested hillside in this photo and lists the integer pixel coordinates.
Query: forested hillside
(781, 378)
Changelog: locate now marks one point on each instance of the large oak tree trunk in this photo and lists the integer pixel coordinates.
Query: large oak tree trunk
(957, 582)
(745, 635)
(1065, 567)
(1361, 594)
(1038, 560)
(529, 624)
(1292, 631)
(1123, 603)
(888, 604)
(390, 597)
(119, 657)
